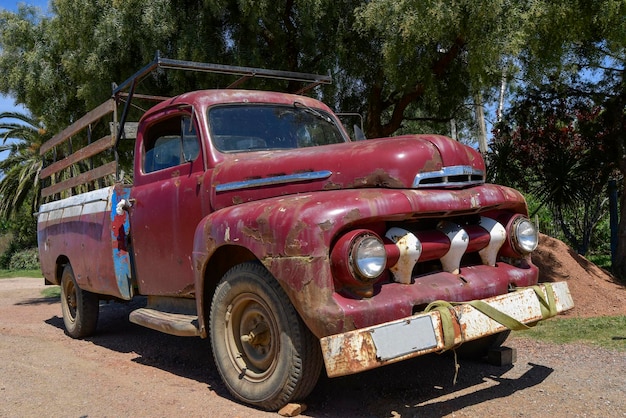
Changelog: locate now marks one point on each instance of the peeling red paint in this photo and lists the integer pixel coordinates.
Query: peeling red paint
(290, 223)
(379, 178)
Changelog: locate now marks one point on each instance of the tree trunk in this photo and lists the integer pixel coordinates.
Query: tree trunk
(619, 267)
(379, 102)
(614, 119)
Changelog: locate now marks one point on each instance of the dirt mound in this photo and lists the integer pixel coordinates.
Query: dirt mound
(595, 291)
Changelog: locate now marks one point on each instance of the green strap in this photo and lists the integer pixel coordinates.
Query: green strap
(548, 306)
(498, 316)
(446, 310)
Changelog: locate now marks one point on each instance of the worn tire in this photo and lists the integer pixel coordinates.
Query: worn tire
(263, 351)
(478, 349)
(80, 307)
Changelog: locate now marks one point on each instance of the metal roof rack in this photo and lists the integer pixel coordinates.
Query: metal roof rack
(245, 73)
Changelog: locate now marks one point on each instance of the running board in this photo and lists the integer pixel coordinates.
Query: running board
(182, 325)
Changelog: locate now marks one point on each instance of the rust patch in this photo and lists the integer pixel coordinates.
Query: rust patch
(354, 357)
(326, 226)
(255, 234)
(265, 226)
(189, 290)
(352, 216)
(293, 245)
(379, 178)
(237, 200)
(432, 165)
(331, 186)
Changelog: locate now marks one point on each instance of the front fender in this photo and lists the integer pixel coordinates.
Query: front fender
(292, 235)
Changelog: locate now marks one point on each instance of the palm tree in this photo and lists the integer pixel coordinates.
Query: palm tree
(20, 183)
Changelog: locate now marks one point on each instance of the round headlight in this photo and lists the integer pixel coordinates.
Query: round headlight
(526, 237)
(368, 256)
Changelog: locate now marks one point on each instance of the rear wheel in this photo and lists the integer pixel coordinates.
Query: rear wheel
(80, 307)
(263, 351)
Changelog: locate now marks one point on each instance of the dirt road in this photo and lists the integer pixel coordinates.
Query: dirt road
(129, 371)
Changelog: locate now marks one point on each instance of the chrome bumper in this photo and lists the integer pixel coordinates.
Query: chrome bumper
(424, 333)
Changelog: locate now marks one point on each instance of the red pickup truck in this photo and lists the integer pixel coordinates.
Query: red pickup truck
(254, 220)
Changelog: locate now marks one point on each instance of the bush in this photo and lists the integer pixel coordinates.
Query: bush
(25, 260)
(20, 233)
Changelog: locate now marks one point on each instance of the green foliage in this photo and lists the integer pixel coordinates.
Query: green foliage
(408, 65)
(62, 65)
(24, 260)
(607, 331)
(550, 146)
(23, 229)
(602, 260)
(394, 60)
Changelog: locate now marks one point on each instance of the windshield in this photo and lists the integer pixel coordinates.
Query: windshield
(262, 127)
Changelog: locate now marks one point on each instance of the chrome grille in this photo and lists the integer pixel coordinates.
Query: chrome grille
(454, 176)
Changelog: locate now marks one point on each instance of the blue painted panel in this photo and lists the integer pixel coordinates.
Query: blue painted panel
(120, 230)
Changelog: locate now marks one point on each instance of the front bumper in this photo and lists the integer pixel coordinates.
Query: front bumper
(437, 330)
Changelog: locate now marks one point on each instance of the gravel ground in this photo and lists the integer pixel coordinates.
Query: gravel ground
(127, 370)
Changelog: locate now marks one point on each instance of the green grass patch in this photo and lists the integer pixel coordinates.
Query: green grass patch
(607, 331)
(51, 292)
(11, 274)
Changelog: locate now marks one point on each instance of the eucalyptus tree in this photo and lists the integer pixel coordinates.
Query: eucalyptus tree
(394, 61)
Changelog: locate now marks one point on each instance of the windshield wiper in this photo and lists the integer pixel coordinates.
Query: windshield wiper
(300, 105)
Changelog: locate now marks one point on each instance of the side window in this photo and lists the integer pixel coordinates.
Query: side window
(169, 143)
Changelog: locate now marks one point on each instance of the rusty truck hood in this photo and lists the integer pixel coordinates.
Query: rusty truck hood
(411, 161)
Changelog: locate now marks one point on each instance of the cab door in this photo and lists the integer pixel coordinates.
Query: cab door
(168, 202)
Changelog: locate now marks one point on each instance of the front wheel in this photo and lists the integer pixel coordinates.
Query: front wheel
(80, 307)
(263, 351)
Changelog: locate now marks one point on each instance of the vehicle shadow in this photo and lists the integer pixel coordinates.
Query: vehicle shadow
(187, 357)
(421, 387)
(47, 300)
(418, 387)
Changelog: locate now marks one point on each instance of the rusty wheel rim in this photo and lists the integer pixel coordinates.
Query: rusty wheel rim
(69, 295)
(251, 337)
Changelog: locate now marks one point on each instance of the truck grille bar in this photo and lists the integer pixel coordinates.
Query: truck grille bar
(448, 243)
(454, 176)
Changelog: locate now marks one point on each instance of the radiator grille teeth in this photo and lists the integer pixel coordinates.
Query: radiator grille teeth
(497, 233)
(448, 243)
(410, 249)
(459, 240)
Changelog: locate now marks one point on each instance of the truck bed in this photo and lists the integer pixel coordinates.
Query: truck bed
(79, 230)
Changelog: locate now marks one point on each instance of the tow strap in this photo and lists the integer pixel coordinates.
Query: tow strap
(547, 304)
